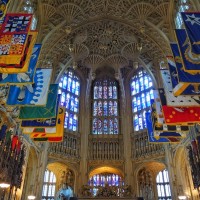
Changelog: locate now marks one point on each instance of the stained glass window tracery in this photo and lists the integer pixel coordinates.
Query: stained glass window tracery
(141, 93)
(183, 5)
(105, 107)
(70, 98)
(104, 179)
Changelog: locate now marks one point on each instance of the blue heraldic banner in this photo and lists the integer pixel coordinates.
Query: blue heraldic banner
(154, 139)
(183, 83)
(22, 78)
(190, 61)
(192, 25)
(39, 123)
(31, 94)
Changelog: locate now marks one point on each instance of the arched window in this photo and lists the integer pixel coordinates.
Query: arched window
(29, 8)
(105, 107)
(183, 5)
(163, 187)
(49, 186)
(104, 180)
(70, 93)
(141, 94)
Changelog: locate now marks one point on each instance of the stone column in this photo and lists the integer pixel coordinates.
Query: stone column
(43, 160)
(84, 129)
(126, 130)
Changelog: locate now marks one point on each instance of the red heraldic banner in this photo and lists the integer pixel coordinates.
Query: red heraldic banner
(181, 115)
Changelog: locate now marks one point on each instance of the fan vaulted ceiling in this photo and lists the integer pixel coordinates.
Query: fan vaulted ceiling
(96, 32)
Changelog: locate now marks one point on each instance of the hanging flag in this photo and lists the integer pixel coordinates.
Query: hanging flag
(183, 100)
(23, 78)
(31, 94)
(192, 24)
(24, 63)
(52, 137)
(165, 127)
(56, 131)
(16, 23)
(184, 80)
(42, 112)
(181, 115)
(13, 37)
(39, 123)
(3, 7)
(190, 61)
(153, 139)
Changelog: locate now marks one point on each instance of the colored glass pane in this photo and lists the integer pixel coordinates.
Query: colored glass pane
(105, 106)
(70, 90)
(141, 93)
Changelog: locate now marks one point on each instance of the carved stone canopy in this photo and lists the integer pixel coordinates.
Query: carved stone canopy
(109, 31)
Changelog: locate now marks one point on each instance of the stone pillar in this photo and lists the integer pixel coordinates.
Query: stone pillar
(43, 160)
(126, 130)
(84, 127)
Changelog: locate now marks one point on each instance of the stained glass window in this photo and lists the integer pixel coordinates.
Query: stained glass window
(183, 5)
(105, 107)
(29, 8)
(70, 94)
(49, 186)
(104, 179)
(163, 187)
(141, 94)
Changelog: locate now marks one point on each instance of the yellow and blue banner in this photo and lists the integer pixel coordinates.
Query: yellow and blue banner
(57, 136)
(23, 78)
(22, 67)
(13, 37)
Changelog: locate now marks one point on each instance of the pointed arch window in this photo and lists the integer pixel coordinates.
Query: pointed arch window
(163, 186)
(105, 180)
(105, 112)
(141, 93)
(183, 5)
(49, 186)
(29, 8)
(70, 97)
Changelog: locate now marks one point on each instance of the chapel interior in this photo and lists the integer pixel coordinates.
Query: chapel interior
(106, 57)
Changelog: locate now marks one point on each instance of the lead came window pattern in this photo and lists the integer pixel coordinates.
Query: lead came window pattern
(105, 179)
(141, 94)
(163, 187)
(105, 107)
(49, 186)
(70, 94)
